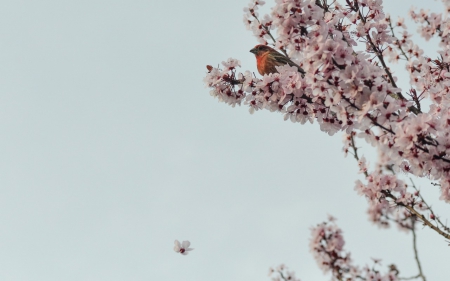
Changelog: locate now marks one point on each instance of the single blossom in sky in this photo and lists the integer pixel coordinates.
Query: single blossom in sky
(183, 247)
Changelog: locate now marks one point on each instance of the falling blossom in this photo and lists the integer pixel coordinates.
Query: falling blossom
(182, 248)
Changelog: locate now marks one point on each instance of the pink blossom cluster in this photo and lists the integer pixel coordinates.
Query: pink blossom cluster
(434, 24)
(384, 191)
(281, 273)
(327, 247)
(380, 191)
(348, 89)
(223, 82)
(403, 47)
(259, 26)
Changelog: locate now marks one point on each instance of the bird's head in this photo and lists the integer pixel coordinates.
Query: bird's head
(260, 49)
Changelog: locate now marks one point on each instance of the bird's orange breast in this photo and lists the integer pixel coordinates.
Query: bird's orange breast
(261, 62)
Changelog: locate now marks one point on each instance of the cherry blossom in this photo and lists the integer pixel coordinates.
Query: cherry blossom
(327, 246)
(281, 272)
(182, 248)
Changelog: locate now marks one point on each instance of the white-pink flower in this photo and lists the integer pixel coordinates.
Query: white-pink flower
(183, 247)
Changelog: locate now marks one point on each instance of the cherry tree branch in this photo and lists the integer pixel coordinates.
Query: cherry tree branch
(397, 41)
(433, 215)
(355, 151)
(413, 211)
(266, 29)
(380, 57)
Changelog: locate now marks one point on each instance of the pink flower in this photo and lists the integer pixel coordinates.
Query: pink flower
(182, 248)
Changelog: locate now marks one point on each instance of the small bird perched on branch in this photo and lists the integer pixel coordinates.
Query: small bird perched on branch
(267, 58)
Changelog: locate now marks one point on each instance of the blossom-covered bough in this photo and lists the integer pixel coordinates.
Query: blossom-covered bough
(345, 48)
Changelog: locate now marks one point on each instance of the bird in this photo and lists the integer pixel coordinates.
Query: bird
(267, 58)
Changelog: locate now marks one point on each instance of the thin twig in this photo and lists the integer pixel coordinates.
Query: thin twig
(416, 213)
(282, 276)
(446, 228)
(268, 33)
(416, 254)
(398, 41)
(411, 209)
(355, 152)
(409, 278)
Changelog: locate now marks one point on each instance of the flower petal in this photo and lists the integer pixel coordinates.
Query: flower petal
(177, 246)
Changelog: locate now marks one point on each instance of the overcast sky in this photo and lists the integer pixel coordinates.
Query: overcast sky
(111, 148)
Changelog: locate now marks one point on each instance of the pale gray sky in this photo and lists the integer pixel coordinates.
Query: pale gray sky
(111, 148)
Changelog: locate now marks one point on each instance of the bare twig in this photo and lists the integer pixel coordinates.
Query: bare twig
(409, 278)
(282, 276)
(416, 254)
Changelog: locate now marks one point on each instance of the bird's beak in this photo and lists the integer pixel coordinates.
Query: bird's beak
(253, 51)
